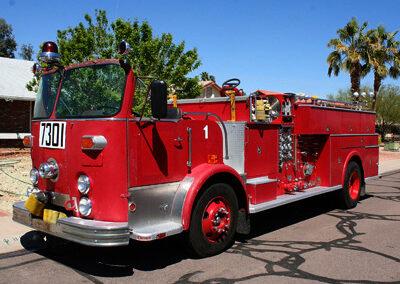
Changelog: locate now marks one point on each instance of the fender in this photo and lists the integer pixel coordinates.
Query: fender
(350, 156)
(200, 175)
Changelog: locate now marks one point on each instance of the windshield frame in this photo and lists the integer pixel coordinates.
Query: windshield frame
(89, 64)
(49, 72)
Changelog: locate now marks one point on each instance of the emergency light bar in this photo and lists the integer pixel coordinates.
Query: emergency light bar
(49, 52)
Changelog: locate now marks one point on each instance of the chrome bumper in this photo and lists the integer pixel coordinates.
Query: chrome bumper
(86, 232)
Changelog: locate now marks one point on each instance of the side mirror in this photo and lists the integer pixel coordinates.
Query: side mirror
(159, 93)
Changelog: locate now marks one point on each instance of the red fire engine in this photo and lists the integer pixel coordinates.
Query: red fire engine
(103, 174)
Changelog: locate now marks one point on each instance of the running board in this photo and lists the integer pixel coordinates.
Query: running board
(292, 197)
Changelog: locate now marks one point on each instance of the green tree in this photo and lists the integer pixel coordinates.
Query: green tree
(383, 57)
(26, 52)
(349, 53)
(153, 56)
(388, 108)
(7, 42)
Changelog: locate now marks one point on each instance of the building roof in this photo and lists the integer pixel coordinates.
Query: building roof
(209, 83)
(14, 75)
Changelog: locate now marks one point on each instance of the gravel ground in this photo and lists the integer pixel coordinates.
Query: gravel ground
(12, 190)
(14, 179)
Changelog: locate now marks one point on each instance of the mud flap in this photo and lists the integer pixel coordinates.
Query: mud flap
(243, 226)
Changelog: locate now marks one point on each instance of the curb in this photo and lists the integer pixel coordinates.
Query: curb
(388, 173)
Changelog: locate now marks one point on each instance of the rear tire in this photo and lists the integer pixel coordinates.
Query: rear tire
(214, 221)
(352, 186)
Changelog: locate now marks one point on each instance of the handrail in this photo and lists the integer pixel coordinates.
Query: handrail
(207, 114)
(189, 161)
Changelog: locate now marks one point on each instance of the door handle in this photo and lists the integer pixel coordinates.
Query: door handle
(178, 139)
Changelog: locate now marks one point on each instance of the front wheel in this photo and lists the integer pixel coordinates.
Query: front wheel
(214, 220)
(352, 187)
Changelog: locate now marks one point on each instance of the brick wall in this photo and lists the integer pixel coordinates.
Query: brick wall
(14, 117)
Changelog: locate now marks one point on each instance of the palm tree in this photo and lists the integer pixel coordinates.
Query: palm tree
(349, 52)
(204, 76)
(383, 56)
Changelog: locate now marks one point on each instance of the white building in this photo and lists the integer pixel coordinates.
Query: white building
(16, 102)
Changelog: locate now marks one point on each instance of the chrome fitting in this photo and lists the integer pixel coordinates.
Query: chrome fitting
(48, 170)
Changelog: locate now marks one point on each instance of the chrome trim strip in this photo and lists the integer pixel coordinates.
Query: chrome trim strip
(137, 119)
(336, 108)
(289, 198)
(260, 180)
(189, 160)
(372, 146)
(209, 100)
(153, 232)
(86, 232)
(153, 186)
(354, 134)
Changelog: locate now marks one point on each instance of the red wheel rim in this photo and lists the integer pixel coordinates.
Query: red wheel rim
(216, 221)
(354, 185)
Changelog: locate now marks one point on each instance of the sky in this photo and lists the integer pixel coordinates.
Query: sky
(274, 45)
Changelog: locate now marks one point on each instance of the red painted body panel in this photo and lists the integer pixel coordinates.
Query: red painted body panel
(222, 109)
(262, 192)
(261, 151)
(107, 169)
(158, 151)
(311, 119)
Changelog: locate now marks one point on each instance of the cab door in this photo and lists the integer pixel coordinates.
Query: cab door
(155, 152)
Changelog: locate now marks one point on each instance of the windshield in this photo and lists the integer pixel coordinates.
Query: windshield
(93, 91)
(46, 95)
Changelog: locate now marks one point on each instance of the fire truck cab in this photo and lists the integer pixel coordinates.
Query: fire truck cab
(103, 174)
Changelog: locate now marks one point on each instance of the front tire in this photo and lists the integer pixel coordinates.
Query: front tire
(214, 221)
(352, 187)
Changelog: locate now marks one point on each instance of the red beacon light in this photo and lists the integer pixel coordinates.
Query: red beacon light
(50, 52)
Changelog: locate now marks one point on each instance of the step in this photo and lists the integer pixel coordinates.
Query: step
(292, 197)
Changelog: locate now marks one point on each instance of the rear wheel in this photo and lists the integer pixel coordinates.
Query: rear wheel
(352, 187)
(214, 220)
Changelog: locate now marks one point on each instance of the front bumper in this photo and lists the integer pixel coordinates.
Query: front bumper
(86, 232)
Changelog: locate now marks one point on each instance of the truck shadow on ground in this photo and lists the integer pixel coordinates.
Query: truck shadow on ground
(120, 262)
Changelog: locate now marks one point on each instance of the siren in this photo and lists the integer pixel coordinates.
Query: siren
(124, 48)
(50, 52)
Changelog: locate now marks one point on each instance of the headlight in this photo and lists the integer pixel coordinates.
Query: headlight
(34, 176)
(83, 184)
(85, 206)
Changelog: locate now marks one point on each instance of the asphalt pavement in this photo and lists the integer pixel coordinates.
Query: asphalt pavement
(310, 241)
